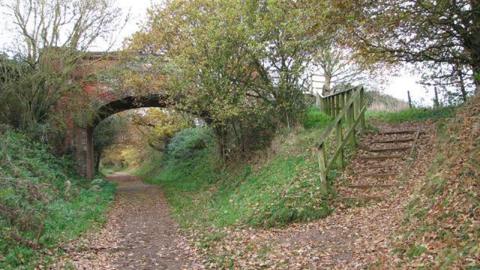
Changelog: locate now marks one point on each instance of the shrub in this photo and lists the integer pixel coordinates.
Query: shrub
(187, 142)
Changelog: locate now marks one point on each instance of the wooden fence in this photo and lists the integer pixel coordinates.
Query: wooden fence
(348, 108)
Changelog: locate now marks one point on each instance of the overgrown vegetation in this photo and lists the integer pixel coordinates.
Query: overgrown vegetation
(42, 204)
(38, 91)
(441, 229)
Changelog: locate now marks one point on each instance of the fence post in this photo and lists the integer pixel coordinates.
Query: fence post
(410, 104)
(356, 104)
(324, 105)
(328, 105)
(351, 124)
(334, 106)
(339, 140)
(362, 104)
(341, 99)
(348, 96)
(322, 166)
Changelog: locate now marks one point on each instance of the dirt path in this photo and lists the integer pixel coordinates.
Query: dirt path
(139, 234)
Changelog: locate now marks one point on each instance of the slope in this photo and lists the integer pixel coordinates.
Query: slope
(42, 203)
(442, 222)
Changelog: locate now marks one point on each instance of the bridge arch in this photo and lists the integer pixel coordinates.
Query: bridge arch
(84, 145)
(79, 141)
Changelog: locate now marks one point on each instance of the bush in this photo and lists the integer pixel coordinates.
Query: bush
(314, 118)
(190, 162)
(188, 142)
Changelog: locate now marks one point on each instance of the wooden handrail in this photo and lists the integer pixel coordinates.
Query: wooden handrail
(338, 117)
(353, 88)
(348, 108)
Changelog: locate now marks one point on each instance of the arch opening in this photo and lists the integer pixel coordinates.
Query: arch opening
(86, 157)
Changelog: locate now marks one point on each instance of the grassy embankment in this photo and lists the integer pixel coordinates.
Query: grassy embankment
(277, 187)
(42, 203)
(441, 229)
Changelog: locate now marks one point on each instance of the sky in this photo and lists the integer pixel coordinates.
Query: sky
(396, 86)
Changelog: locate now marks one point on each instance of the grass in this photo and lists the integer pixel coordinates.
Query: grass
(43, 205)
(314, 118)
(415, 114)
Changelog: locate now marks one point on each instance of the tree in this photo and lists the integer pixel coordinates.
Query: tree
(10, 72)
(426, 31)
(28, 94)
(237, 61)
(454, 81)
(52, 36)
(337, 67)
(72, 24)
(159, 126)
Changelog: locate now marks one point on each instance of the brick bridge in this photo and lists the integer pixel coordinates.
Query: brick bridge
(79, 139)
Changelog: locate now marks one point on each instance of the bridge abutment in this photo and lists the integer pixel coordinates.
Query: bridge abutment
(83, 151)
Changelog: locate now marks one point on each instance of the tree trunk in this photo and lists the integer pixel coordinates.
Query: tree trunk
(98, 156)
(463, 90)
(221, 139)
(475, 65)
(472, 43)
(409, 100)
(436, 101)
(477, 87)
(327, 86)
(476, 79)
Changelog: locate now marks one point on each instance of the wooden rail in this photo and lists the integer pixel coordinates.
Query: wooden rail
(348, 108)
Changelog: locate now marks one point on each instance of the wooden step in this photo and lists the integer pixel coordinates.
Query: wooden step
(386, 172)
(371, 186)
(379, 175)
(382, 157)
(391, 132)
(379, 167)
(362, 199)
(400, 148)
(395, 140)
